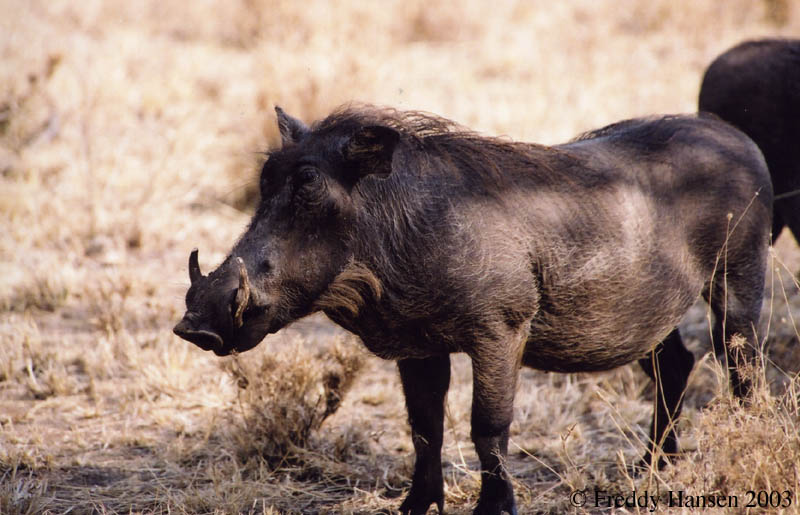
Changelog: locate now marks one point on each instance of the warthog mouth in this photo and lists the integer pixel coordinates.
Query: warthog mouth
(206, 340)
(244, 339)
(223, 344)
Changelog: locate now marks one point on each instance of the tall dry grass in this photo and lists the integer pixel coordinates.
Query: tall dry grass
(130, 132)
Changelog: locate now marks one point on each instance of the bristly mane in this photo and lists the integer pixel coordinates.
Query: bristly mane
(471, 151)
(413, 125)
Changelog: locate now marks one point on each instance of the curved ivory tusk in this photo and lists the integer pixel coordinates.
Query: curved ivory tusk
(242, 294)
(194, 267)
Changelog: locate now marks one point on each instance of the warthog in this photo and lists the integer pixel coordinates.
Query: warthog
(425, 239)
(756, 86)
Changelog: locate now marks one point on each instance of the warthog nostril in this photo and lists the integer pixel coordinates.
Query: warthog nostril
(182, 327)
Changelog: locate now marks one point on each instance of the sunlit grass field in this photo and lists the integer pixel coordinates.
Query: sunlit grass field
(131, 132)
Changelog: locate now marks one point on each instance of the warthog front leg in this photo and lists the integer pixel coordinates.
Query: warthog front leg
(494, 375)
(425, 384)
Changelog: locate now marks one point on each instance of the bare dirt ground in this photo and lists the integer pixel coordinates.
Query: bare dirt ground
(130, 132)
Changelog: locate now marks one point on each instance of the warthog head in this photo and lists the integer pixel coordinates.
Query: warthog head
(298, 240)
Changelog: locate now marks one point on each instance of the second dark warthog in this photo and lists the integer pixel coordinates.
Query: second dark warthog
(426, 239)
(756, 86)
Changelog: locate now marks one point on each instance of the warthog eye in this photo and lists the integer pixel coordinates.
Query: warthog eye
(309, 184)
(306, 175)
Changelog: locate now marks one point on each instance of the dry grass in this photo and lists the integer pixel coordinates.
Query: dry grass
(130, 132)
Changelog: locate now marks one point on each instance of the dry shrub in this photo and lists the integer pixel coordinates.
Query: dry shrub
(27, 112)
(39, 290)
(29, 367)
(741, 446)
(285, 396)
(22, 493)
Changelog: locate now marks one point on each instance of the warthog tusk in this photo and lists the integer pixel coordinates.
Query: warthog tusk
(242, 294)
(194, 267)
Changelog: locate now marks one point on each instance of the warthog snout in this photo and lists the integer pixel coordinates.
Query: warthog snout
(203, 338)
(191, 327)
(220, 307)
(242, 298)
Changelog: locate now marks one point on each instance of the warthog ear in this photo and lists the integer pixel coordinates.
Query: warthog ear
(291, 129)
(370, 150)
